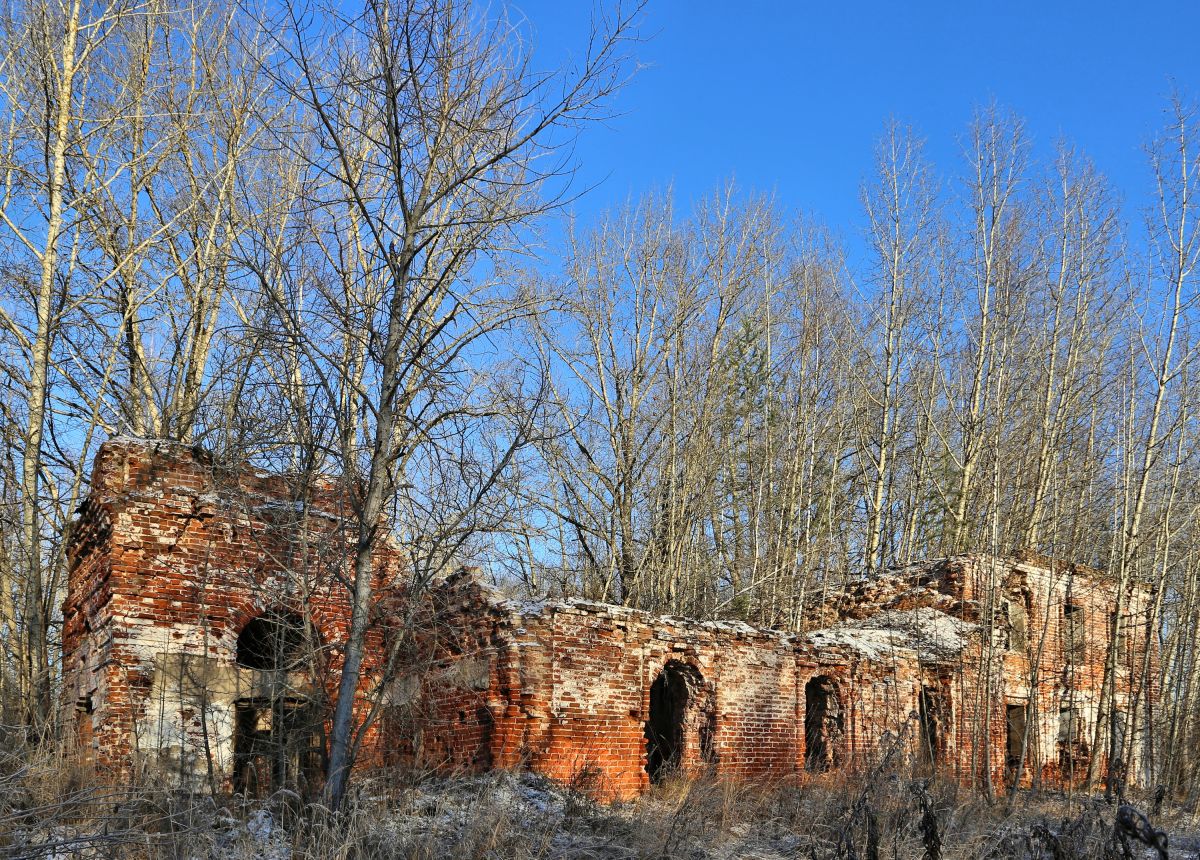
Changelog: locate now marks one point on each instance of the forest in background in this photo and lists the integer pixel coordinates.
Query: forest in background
(312, 239)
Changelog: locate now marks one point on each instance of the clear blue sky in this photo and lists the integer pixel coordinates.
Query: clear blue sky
(789, 97)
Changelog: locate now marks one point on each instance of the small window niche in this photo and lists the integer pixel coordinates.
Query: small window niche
(1017, 623)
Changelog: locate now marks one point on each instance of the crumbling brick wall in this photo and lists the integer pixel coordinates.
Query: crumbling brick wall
(567, 688)
(1029, 695)
(173, 561)
(571, 688)
(169, 560)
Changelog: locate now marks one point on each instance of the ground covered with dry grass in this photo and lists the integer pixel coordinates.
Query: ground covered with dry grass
(49, 811)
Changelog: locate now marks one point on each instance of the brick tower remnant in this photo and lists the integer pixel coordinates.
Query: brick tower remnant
(203, 616)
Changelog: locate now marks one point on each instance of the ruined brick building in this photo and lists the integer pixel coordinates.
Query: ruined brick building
(205, 612)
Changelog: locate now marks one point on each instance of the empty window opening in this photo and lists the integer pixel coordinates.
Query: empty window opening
(682, 721)
(1016, 721)
(84, 728)
(931, 719)
(274, 641)
(276, 744)
(1073, 631)
(823, 724)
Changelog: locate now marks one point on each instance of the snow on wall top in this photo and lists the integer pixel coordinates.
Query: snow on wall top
(926, 632)
(931, 634)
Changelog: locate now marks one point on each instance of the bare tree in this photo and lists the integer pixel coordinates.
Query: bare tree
(431, 143)
(900, 205)
(1164, 353)
(52, 58)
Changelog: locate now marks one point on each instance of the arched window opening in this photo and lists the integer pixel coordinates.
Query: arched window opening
(1014, 627)
(682, 721)
(823, 725)
(274, 641)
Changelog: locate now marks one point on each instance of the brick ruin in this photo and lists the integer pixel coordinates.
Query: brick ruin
(205, 614)
(572, 688)
(203, 617)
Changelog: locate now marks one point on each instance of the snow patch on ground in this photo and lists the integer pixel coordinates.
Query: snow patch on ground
(505, 814)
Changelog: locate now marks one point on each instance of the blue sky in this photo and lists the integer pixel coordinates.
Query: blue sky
(789, 97)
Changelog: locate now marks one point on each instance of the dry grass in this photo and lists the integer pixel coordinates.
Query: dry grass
(48, 809)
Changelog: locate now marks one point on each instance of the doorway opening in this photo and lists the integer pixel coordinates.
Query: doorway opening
(682, 721)
(931, 720)
(277, 739)
(824, 725)
(1015, 723)
(1074, 753)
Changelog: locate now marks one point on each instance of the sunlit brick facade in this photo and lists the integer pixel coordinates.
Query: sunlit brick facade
(205, 617)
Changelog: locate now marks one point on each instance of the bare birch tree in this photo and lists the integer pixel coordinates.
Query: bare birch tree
(51, 59)
(900, 208)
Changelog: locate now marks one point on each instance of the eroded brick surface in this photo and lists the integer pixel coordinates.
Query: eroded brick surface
(170, 559)
(902, 673)
(173, 557)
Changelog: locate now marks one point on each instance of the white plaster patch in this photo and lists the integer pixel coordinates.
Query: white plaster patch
(580, 690)
(147, 638)
(187, 725)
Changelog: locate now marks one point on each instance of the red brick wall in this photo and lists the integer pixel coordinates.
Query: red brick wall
(566, 686)
(1059, 675)
(568, 692)
(170, 558)
(990, 677)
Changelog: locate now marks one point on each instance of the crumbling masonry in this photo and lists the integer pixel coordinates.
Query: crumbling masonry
(205, 615)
